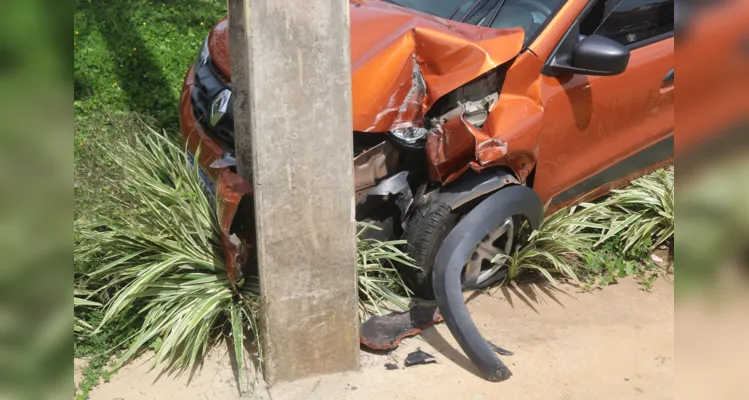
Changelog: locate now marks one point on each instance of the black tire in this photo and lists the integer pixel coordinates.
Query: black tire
(427, 228)
(425, 232)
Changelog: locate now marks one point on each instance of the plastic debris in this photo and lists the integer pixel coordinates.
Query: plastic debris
(419, 357)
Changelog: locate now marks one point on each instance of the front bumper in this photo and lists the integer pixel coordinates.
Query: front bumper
(233, 193)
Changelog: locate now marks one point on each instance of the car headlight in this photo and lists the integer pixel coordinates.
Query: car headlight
(413, 137)
(203, 54)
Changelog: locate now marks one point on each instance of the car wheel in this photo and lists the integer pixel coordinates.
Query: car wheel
(427, 229)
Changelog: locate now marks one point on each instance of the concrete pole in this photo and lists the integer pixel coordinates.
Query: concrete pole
(290, 63)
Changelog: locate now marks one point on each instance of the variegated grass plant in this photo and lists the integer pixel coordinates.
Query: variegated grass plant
(381, 288)
(556, 246)
(80, 326)
(158, 257)
(641, 212)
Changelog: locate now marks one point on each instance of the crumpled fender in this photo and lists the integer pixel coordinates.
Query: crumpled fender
(230, 190)
(509, 137)
(449, 262)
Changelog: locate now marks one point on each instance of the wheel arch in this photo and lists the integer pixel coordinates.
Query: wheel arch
(474, 185)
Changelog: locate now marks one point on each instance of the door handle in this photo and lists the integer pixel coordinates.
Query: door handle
(669, 79)
(668, 82)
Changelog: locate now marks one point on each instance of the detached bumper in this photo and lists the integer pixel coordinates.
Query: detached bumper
(233, 193)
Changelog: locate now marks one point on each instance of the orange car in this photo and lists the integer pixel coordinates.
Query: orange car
(454, 100)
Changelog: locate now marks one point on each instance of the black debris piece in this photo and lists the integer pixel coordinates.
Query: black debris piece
(391, 366)
(419, 357)
(499, 350)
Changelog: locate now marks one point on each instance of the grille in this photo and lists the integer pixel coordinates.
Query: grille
(208, 84)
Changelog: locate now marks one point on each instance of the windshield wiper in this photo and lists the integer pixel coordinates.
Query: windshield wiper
(452, 14)
(496, 12)
(472, 9)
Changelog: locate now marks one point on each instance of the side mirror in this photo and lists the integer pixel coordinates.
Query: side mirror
(598, 55)
(592, 55)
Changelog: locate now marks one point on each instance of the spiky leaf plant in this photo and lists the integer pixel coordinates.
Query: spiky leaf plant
(641, 212)
(556, 246)
(158, 256)
(381, 287)
(80, 326)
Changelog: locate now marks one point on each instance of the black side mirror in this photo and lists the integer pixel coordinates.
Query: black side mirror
(592, 55)
(598, 55)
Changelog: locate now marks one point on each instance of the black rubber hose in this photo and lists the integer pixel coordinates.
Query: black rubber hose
(451, 258)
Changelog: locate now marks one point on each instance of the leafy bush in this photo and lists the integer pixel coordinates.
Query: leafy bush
(380, 285)
(556, 246)
(641, 212)
(154, 258)
(159, 256)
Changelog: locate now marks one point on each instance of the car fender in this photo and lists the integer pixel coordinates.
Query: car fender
(455, 250)
(472, 185)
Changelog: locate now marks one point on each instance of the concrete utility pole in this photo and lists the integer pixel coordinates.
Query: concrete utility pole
(291, 77)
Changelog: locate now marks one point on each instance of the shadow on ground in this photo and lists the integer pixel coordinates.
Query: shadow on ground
(150, 46)
(530, 293)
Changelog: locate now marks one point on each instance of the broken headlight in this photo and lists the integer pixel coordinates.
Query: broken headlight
(412, 137)
(203, 54)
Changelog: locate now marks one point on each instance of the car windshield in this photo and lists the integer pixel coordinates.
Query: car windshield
(530, 15)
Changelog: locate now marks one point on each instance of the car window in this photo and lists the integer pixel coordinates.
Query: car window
(630, 21)
(530, 15)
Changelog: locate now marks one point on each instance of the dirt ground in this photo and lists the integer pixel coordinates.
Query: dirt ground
(616, 343)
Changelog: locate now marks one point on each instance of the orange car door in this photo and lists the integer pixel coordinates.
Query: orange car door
(601, 129)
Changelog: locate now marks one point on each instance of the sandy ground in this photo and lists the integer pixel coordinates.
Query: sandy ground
(617, 343)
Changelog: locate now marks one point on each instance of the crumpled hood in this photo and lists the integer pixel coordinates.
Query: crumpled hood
(402, 61)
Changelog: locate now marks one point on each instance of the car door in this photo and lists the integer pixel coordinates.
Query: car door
(602, 129)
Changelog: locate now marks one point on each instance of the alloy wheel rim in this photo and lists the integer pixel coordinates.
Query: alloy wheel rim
(496, 245)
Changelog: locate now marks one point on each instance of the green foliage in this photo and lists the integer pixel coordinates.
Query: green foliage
(158, 254)
(97, 350)
(641, 212)
(556, 246)
(608, 263)
(596, 243)
(380, 285)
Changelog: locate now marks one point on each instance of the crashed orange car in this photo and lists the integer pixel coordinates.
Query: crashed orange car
(457, 101)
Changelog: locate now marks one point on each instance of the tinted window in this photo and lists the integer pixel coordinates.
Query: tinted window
(633, 21)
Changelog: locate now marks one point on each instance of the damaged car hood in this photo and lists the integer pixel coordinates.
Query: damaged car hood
(402, 60)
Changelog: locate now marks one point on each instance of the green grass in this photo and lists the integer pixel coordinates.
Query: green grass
(130, 56)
